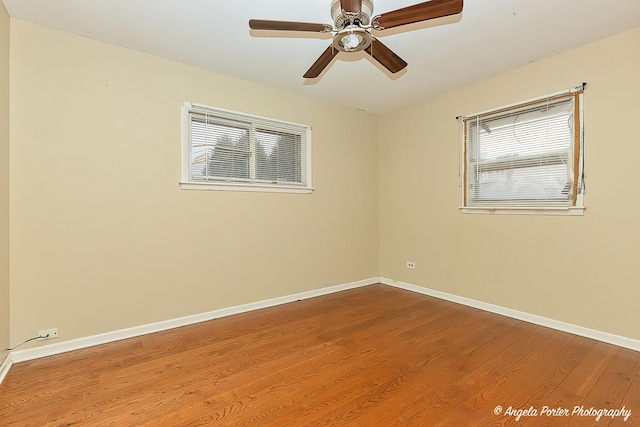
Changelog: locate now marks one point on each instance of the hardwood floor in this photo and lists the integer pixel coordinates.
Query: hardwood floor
(373, 356)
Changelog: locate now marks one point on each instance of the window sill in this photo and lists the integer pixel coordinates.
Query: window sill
(558, 211)
(208, 186)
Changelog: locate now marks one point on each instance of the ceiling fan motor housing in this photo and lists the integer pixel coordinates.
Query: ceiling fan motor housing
(341, 20)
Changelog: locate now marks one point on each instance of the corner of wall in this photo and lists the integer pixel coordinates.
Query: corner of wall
(4, 184)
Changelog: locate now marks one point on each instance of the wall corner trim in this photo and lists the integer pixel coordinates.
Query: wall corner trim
(5, 366)
(606, 337)
(90, 341)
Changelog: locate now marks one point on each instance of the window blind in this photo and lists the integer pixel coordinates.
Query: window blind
(233, 147)
(523, 156)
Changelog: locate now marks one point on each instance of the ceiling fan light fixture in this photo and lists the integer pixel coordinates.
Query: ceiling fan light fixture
(352, 39)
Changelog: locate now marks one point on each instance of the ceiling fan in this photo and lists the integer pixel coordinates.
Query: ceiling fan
(353, 22)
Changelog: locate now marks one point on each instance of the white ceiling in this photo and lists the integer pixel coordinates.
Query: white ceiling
(489, 37)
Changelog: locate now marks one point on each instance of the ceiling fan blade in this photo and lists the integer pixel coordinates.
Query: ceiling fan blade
(417, 13)
(353, 6)
(385, 56)
(321, 63)
(262, 24)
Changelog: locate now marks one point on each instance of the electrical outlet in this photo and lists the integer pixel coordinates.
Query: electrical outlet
(48, 334)
(411, 265)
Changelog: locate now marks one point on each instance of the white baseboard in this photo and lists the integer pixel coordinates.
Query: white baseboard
(5, 366)
(80, 343)
(620, 341)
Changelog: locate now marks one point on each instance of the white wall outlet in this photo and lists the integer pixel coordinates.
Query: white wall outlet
(411, 265)
(47, 334)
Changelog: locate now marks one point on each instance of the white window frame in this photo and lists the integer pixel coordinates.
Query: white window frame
(186, 182)
(577, 208)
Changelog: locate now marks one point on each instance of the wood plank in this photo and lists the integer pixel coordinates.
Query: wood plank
(533, 392)
(481, 405)
(351, 355)
(576, 385)
(631, 401)
(457, 402)
(611, 388)
(370, 356)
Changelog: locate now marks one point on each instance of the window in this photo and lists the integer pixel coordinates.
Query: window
(525, 158)
(225, 150)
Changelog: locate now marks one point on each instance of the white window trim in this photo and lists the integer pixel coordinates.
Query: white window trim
(577, 210)
(218, 186)
(501, 210)
(187, 184)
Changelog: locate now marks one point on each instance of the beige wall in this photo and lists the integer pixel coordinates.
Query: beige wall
(581, 270)
(102, 237)
(4, 182)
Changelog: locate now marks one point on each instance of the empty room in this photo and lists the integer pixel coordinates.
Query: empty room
(319, 213)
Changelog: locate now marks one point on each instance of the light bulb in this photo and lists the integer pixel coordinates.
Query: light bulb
(351, 41)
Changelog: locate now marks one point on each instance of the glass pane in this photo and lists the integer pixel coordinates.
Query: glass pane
(219, 151)
(278, 156)
(550, 183)
(534, 137)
